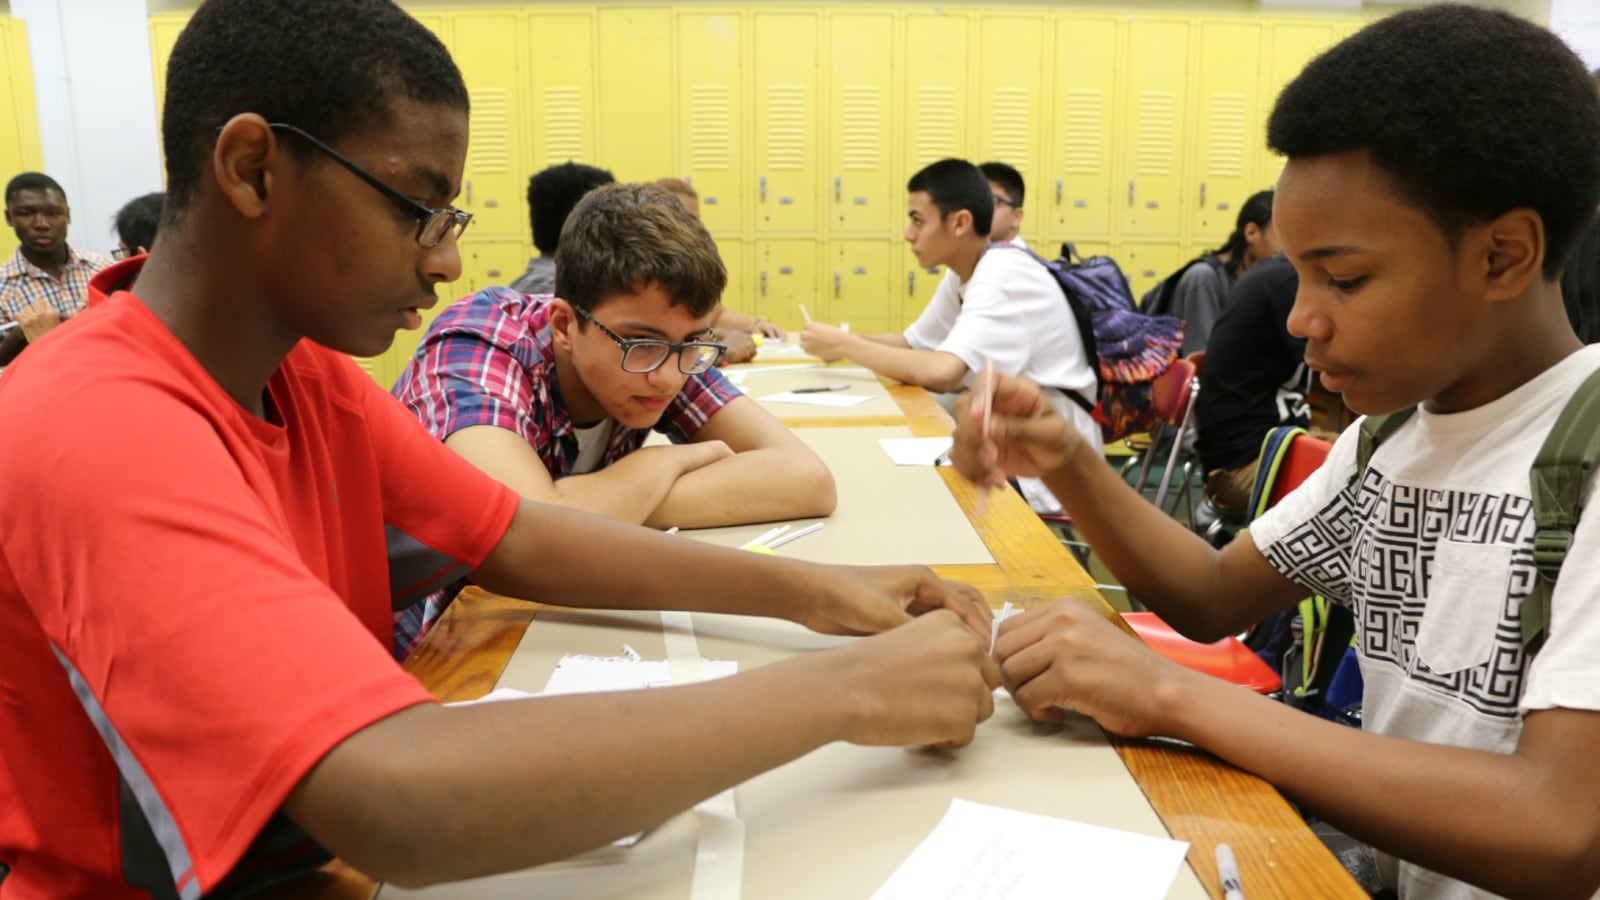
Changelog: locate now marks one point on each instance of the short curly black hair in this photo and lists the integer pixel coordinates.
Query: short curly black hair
(330, 67)
(1470, 112)
(32, 181)
(136, 222)
(552, 193)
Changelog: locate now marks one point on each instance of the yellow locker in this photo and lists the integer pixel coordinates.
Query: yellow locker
(786, 277)
(739, 295)
(635, 124)
(494, 181)
(913, 284)
(1151, 149)
(485, 263)
(1145, 264)
(711, 116)
(1228, 133)
(936, 94)
(1078, 202)
(19, 119)
(784, 86)
(860, 291)
(164, 31)
(861, 195)
(1290, 46)
(377, 367)
(560, 102)
(1010, 109)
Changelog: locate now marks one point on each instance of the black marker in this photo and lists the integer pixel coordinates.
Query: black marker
(821, 389)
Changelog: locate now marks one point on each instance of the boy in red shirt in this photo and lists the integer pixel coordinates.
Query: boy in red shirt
(213, 512)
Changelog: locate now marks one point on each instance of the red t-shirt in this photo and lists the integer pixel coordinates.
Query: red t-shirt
(195, 603)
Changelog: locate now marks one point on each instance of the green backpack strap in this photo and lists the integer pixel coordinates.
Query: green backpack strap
(1374, 431)
(1560, 481)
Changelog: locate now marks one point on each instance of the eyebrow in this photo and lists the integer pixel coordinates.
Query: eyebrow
(1327, 252)
(434, 178)
(621, 327)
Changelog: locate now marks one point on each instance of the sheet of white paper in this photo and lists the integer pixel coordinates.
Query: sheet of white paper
(818, 399)
(588, 674)
(736, 376)
(771, 349)
(981, 852)
(496, 696)
(916, 451)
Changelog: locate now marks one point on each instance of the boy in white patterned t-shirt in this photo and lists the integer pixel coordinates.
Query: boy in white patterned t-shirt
(1442, 162)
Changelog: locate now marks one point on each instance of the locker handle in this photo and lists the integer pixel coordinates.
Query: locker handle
(838, 188)
(469, 191)
(838, 280)
(1058, 192)
(1130, 192)
(1202, 195)
(763, 181)
(763, 282)
(911, 283)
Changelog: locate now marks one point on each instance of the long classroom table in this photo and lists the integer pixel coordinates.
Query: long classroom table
(1198, 798)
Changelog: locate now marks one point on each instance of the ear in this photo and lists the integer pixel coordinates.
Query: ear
(1512, 250)
(243, 163)
(562, 319)
(960, 222)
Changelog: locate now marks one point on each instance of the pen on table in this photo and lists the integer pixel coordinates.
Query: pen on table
(766, 536)
(821, 388)
(794, 536)
(803, 313)
(1228, 873)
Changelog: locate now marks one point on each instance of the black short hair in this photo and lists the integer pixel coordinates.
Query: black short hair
(955, 184)
(32, 181)
(553, 193)
(1470, 112)
(330, 67)
(1006, 177)
(1255, 211)
(136, 222)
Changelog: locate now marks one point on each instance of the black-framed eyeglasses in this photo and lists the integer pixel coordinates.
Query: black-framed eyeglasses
(121, 253)
(1001, 201)
(643, 355)
(432, 224)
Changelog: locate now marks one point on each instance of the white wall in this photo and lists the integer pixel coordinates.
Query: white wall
(97, 107)
(1578, 23)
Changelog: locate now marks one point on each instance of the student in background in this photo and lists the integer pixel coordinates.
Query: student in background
(552, 193)
(1005, 184)
(555, 396)
(45, 281)
(136, 224)
(1428, 219)
(1001, 305)
(195, 622)
(733, 328)
(1255, 379)
(1198, 291)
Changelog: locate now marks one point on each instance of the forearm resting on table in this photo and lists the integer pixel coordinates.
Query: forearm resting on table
(935, 370)
(1520, 824)
(762, 485)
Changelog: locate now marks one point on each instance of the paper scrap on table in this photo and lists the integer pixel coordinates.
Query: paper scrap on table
(924, 451)
(815, 399)
(772, 349)
(736, 376)
(981, 852)
(588, 674)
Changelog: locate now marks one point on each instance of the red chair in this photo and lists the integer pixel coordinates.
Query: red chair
(1173, 395)
(1228, 659)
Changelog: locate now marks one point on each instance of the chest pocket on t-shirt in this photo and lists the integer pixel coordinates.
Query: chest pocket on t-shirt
(1466, 596)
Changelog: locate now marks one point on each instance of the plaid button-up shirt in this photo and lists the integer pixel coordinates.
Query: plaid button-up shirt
(22, 282)
(489, 360)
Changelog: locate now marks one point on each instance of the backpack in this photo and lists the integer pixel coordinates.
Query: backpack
(1560, 481)
(1125, 349)
(1158, 300)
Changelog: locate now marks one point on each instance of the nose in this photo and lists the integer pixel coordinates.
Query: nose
(666, 374)
(910, 235)
(441, 263)
(1305, 320)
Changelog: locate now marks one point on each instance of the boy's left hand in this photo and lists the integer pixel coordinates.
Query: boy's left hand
(825, 342)
(870, 599)
(741, 348)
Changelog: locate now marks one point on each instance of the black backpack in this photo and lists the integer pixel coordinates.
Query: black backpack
(1158, 300)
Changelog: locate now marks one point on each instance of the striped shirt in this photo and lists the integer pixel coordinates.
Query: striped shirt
(22, 283)
(489, 360)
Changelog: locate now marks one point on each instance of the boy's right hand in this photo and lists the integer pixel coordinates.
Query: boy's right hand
(696, 454)
(927, 683)
(1026, 435)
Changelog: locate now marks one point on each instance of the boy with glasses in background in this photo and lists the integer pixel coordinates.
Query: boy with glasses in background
(555, 396)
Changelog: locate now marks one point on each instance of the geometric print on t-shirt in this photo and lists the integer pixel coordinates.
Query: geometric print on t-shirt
(1372, 549)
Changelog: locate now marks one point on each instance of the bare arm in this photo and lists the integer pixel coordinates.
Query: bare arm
(432, 794)
(887, 354)
(1202, 592)
(734, 319)
(1525, 823)
(629, 490)
(771, 475)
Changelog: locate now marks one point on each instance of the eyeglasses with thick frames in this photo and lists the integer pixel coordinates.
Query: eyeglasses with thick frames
(432, 224)
(644, 355)
(1001, 201)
